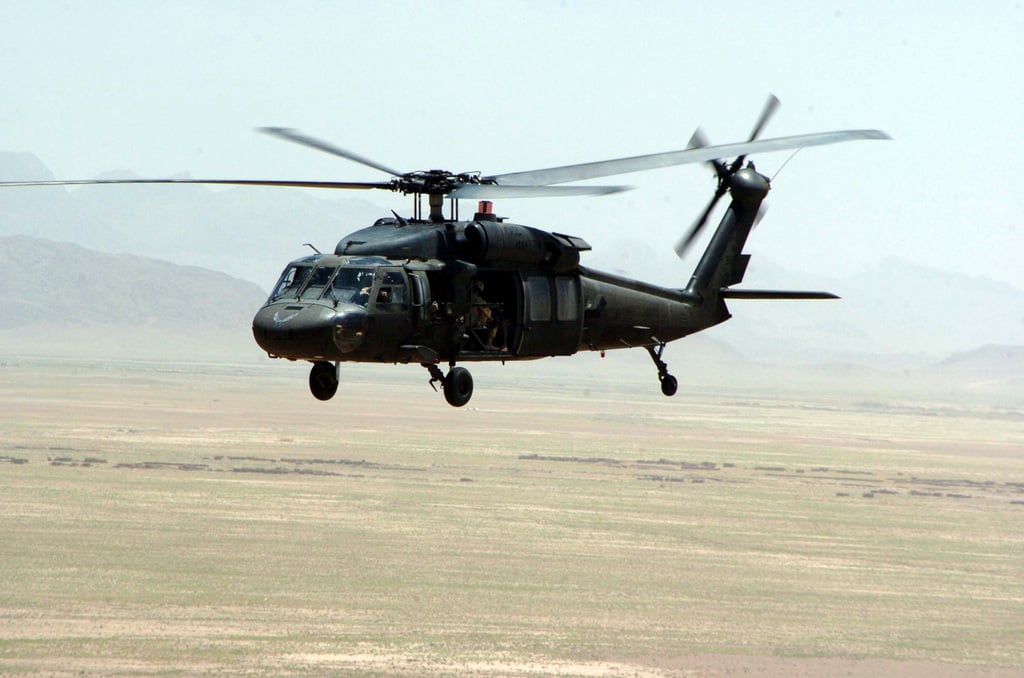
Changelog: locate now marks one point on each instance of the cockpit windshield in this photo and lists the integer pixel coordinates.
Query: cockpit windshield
(318, 280)
(353, 285)
(291, 281)
(307, 281)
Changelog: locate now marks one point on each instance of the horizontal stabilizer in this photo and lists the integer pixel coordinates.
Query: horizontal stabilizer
(727, 293)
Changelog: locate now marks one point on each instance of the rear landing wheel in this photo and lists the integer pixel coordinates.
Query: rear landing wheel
(458, 386)
(323, 380)
(668, 382)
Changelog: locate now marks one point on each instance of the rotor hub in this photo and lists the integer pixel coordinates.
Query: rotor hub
(748, 184)
(434, 182)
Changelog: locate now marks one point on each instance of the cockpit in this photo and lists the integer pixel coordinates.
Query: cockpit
(322, 305)
(308, 281)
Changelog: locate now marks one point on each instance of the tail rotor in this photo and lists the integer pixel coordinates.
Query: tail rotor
(724, 172)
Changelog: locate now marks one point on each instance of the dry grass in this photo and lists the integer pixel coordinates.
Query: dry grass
(200, 519)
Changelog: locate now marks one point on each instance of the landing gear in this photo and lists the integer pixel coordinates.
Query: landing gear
(323, 380)
(669, 384)
(457, 385)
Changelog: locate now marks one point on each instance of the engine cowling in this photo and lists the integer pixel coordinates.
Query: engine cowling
(496, 241)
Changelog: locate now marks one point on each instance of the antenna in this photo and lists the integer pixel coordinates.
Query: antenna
(778, 171)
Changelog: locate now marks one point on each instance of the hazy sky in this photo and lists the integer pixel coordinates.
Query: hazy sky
(162, 88)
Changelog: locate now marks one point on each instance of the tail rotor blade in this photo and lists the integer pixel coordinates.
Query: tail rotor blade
(683, 244)
(700, 140)
(761, 211)
(770, 107)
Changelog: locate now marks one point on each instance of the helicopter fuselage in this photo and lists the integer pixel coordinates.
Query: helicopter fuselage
(358, 308)
(437, 291)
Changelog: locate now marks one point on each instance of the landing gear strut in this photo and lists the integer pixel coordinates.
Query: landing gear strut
(457, 385)
(323, 380)
(669, 385)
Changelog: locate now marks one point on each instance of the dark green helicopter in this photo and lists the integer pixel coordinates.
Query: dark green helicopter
(434, 289)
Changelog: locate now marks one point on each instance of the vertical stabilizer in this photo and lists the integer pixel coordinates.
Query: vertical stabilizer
(723, 262)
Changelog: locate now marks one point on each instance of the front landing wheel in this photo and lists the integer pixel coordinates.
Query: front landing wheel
(323, 380)
(669, 385)
(458, 386)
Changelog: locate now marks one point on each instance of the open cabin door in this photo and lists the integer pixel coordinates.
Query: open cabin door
(494, 324)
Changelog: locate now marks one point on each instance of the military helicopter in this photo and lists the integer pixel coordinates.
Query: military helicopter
(434, 289)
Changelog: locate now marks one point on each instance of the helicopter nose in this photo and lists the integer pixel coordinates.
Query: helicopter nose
(296, 331)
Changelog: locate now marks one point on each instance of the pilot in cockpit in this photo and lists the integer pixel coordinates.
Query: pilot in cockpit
(362, 297)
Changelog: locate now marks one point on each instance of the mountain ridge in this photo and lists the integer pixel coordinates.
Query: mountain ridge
(896, 314)
(45, 282)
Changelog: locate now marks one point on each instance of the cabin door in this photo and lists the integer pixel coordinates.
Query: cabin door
(551, 315)
(389, 309)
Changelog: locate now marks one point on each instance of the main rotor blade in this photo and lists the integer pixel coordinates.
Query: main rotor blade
(358, 185)
(299, 138)
(496, 191)
(604, 168)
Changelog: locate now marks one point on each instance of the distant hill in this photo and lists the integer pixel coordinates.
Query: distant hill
(61, 299)
(249, 233)
(23, 167)
(894, 315)
(46, 282)
(988, 365)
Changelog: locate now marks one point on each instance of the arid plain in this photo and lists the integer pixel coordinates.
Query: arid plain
(188, 518)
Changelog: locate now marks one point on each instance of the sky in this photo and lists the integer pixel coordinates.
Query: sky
(164, 88)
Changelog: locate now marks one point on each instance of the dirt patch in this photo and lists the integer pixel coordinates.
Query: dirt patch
(728, 666)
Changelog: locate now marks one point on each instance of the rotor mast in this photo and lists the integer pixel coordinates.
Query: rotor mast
(436, 201)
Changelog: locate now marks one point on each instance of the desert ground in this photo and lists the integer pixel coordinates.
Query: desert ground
(213, 518)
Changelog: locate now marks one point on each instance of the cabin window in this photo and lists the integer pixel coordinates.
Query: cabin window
(540, 298)
(568, 299)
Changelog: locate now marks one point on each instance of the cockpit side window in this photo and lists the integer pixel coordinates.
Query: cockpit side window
(392, 288)
(291, 282)
(353, 285)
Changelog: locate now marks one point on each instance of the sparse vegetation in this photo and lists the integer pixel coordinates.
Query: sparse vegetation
(147, 530)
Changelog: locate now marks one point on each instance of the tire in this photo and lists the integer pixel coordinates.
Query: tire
(323, 380)
(669, 385)
(458, 386)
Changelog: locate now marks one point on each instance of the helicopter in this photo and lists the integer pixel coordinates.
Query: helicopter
(435, 289)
